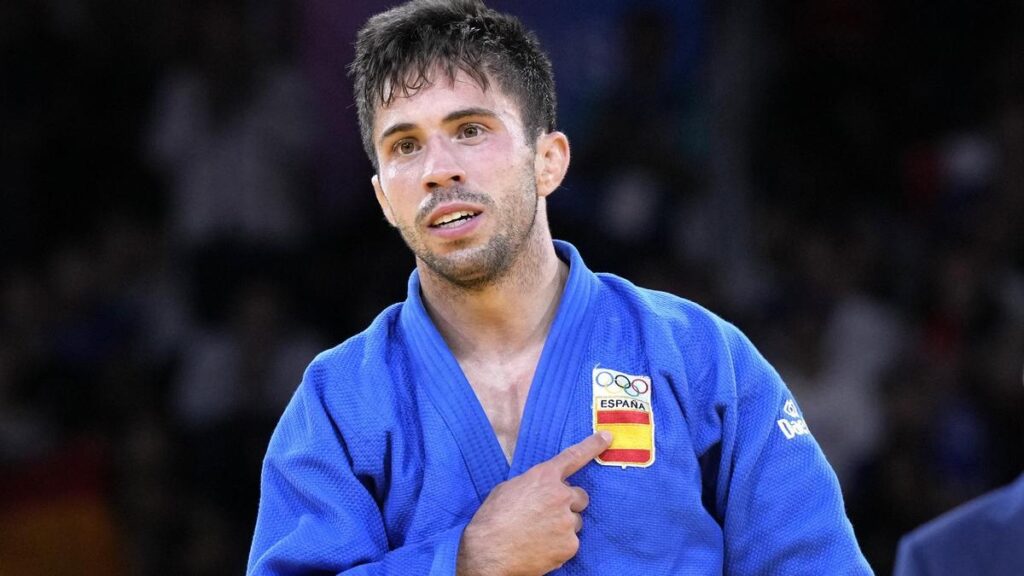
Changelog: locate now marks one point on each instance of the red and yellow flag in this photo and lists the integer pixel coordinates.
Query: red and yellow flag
(622, 406)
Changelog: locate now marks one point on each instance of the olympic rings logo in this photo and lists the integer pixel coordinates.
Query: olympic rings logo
(634, 387)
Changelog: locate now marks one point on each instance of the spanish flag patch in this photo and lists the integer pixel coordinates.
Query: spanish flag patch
(622, 406)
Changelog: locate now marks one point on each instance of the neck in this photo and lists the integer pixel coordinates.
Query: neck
(510, 315)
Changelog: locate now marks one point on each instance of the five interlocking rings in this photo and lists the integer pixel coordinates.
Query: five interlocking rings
(633, 388)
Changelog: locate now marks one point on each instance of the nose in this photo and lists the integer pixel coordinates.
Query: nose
(441, 167)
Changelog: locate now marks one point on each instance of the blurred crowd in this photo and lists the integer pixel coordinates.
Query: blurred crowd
(186, 220)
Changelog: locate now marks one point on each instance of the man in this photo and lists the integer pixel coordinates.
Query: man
(983, 536)
(518, 414)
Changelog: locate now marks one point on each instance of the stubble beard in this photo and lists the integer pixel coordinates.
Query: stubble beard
(475, 268)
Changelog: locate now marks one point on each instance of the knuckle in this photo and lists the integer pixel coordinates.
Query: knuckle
(560, 525)
(570, 547)
(539, 471)
(582, 495)
(567, 522)
(532, 476)
(550, 476)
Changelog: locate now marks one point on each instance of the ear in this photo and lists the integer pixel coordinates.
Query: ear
(551, 162)
(382, 199)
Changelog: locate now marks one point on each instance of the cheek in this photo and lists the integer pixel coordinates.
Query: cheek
(399, 189)
(390, 173)
(505, 168)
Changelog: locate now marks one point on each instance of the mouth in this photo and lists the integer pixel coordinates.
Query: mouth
(453, 219)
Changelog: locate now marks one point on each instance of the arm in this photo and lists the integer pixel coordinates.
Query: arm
(777, 498)
(316, 517)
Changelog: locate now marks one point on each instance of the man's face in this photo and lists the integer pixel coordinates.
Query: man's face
(457, 178)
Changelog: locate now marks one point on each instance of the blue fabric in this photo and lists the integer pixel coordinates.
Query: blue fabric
(983, 536)
(384, 453)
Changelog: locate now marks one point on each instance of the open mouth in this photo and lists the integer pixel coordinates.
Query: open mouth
(453, 219)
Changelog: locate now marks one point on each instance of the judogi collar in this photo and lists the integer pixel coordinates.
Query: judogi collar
(548, 403)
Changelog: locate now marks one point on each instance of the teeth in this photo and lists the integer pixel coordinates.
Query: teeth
(453, 216)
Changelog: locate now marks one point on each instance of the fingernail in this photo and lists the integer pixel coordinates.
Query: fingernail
(605, 435)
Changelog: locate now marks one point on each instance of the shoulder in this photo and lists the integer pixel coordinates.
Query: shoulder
(684, 322)
(359, 365)
(716, 359)
(988, 515)
(981, 536)
(347, 395)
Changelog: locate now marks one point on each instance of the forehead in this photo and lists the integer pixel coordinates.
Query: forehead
(443, 96)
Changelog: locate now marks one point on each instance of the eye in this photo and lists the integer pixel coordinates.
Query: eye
(470, 131)
(405, 147)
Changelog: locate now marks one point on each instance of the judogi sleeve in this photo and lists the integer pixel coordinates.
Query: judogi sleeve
(777, 498)
(316, 516)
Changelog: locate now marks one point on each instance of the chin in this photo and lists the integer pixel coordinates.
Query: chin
(465, 274)
(472, 267)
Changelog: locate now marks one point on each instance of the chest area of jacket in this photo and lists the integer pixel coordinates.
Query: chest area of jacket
(427, 484)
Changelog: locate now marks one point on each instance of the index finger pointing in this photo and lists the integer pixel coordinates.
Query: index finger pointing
(568, 461)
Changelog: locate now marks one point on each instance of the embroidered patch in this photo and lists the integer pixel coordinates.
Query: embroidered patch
(622, 405)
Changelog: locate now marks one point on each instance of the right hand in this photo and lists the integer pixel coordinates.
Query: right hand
(527, 525)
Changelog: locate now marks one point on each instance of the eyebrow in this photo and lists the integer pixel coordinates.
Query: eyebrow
(451, 117)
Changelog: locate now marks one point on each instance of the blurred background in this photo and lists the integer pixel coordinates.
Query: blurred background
(186, 218)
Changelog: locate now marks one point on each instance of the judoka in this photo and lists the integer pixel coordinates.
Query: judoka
(518, 413)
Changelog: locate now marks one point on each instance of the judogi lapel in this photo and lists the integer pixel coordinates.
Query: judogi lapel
(548, 403)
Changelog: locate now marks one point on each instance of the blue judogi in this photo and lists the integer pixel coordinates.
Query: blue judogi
(983, 536)
(384, 453)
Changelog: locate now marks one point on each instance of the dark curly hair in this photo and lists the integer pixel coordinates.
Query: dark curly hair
(397, 52)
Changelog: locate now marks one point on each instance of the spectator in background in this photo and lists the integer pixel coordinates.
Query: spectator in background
(233, 134)
(232, 383)
(640, 166)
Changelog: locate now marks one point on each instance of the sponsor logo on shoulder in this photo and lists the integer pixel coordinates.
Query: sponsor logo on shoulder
(795, 425)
